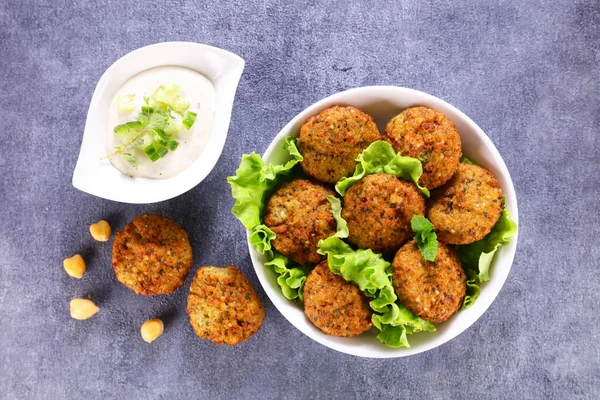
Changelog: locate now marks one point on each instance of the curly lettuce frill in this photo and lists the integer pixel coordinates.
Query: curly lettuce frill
(380, 158)
(253, 181)
(477, 257)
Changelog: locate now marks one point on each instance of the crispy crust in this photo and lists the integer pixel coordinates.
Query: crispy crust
(223, 307)
(433, 290)
(300, 216)
(430, 136)
(152, 255)
(335, 306)
(331, 141)
(378, 210)
(468, 207)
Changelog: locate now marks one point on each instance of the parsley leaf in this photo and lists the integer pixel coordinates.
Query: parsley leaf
(130, 159)
(425, 237)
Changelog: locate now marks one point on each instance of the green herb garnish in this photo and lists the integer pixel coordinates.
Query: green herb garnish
(426, 238)
(158, 121)
(130, 159)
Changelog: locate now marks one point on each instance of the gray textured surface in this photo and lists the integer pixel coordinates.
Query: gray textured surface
(526, 71)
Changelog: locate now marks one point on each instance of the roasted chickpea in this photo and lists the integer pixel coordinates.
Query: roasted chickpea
(74, 266)
(152, 329)
(100, 231)
(83, 309)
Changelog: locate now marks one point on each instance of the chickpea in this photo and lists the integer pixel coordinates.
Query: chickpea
(152, 329)
(83, 309)
(101, 231)
(74, 266)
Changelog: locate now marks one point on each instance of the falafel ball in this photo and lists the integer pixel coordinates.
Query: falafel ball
(433, 290)
(223, 307)
(152, 255)
(300, 215)
(430, 136)
(378, 210)
(335, 306)
(331, 140)
(468, 207)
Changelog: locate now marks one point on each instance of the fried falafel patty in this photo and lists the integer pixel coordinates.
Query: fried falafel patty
(223, 307)
(152, 255)
(300, 216)
(331, 140)
(334, 305)
(428, 135)
(378, 210)
(433, 290)
(468, 207)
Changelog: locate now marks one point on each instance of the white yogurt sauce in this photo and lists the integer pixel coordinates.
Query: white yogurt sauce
(195, 88)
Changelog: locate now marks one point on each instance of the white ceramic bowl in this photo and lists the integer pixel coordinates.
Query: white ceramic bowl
(100, 178)
(383, 103)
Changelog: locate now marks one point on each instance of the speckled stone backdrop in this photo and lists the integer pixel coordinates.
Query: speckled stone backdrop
(526, 71)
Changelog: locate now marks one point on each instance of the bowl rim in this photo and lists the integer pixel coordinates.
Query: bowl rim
(275, 294)
(162, 189)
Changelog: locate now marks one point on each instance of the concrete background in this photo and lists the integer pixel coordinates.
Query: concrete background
(526, 71)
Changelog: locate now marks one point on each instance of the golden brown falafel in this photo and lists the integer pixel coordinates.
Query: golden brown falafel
(335, 306)
(430, 136)
(433, 290)
(331, 140)
(300, 215)
(152, 255)
(223, 307)
(468, 207)
(378, 210)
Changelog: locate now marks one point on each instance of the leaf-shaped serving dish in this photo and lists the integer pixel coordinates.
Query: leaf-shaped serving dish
(100, 178)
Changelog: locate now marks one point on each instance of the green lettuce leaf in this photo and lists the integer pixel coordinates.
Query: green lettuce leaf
(380, 158)
(473, 289)
(250, 186)
(373, 275)
(336, 209)
(290, 279)
(261, 238)
(254, 179)
(477, 257)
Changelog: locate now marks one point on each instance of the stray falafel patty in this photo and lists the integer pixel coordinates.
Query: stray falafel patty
(378, 210)
(223, 307)
(468, 207)
(331, 140)
(433, 290)
(300, 215)
(430, 136)
(152, 255)
(335, 306)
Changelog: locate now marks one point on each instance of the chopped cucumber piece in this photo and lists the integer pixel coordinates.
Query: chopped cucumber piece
(162, 135)
(128, 127)
(180, 104)
(161, 149)
(172, 144)
(173, 127)
(145, 141)
(152, 153)
(189, 118)
(125, 103)
(156, 151)
(167, 96)
(172, 89)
